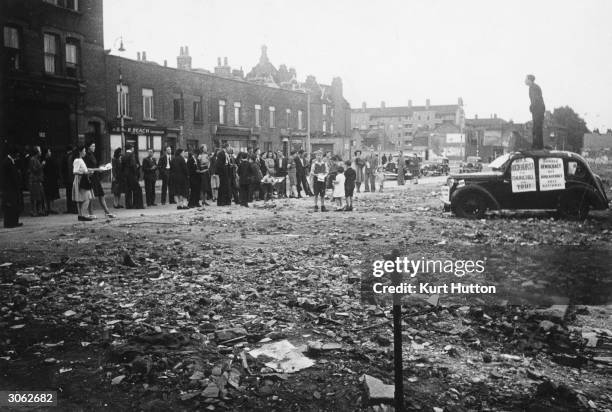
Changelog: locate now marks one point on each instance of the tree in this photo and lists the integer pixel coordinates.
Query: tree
(571, 128)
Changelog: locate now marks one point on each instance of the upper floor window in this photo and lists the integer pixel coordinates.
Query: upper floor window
(12, 46)
(221, 111)
(51, 53)
(331, 127)
(272, 120)
(288, 117)
(331, 112)
(237, 113)
(179, 108)
(258, 115)
(123, 100)
(324, 125)
(197, 110)
(147, 104)
(72, 58)
(68, 4)
(324, 107)
(300, 120)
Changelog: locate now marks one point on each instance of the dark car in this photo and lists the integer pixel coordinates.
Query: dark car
(536, 179)
(437, 168)
(472, 164)
(391, 171)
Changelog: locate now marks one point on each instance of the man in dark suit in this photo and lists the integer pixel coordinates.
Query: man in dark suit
(130, 167)
(67, 179)
(149, 167)
(222, 169)
(537, 109)
(11, 189)
(165, 171)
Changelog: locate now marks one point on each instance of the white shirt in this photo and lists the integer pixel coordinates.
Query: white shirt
(79, 167)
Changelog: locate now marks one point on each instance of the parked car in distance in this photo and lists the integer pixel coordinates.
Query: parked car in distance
(391, 171)
(471, 164)
(530, 180)
(438, 167)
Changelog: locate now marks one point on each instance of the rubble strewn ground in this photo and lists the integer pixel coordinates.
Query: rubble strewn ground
(199, 310)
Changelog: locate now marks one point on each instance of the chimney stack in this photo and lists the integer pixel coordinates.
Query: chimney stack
(138, 56)
(183, 61)
(364, 106)
(427, 104)
(382, 104)
(460, 101)
(218, 61)
(165, 63)
(476, 116)
(410, 104)
(144, 56)
(225, 61)
(495, 115)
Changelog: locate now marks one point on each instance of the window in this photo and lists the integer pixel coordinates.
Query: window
(147, 104)
(324, 107)
(288, 117)
(272, 110)
(258, 115)
(197, 110)
(68, 4)
(300, 120)
(237, 113)
(123, 101)
(331, 127)
(72, 57)
(12, 46)
(324, 125)
(331, 112)
(50, 53)
(179, 108)
(221, 111)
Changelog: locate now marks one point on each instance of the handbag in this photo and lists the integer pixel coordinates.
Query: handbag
(85, 183)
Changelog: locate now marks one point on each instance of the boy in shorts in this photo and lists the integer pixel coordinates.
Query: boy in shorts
(319, 171)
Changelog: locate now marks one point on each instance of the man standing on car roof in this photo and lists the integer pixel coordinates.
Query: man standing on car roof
(537, 109)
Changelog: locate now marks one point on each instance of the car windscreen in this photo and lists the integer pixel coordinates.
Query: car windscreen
(499, 162)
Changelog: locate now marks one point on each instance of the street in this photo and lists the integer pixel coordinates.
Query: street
(161, 309)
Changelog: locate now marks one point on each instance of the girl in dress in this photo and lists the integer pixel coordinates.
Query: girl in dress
(338, 192)
(81, 186)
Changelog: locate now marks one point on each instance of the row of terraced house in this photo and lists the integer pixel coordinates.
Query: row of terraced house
(60, 86)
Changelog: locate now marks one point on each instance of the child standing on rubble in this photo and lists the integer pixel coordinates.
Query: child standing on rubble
(350, 175)
(380, 177)
(338, 192)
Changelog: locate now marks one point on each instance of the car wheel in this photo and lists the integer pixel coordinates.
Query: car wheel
(471, 205)
(573, 207)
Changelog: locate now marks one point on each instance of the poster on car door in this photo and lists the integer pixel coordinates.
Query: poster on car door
(522, 173)
(552, 175)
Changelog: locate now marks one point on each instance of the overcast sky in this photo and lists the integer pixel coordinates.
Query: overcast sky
(394, 51)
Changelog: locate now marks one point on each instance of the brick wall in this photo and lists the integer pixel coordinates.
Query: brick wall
(168, 83)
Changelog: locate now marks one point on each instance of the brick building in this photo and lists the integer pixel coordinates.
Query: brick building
(492, 137)
(396, 127)
(51, 78)
(186, 108)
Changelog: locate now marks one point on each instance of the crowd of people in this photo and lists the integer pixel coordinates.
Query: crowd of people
(189, 179)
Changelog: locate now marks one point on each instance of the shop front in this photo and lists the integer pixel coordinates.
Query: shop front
(142, 138)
